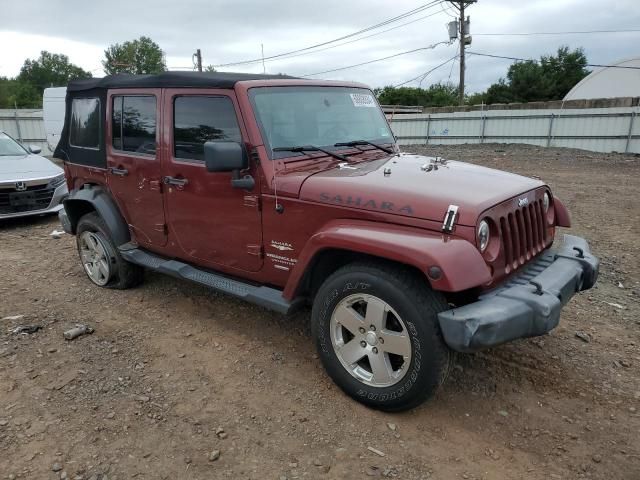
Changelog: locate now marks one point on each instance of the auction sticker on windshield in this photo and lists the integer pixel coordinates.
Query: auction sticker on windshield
(362, 100)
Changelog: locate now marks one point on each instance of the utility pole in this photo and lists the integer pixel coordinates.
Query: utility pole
(463, 26)
(198, 59)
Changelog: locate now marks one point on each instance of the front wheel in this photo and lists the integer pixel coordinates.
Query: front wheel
(377, 333)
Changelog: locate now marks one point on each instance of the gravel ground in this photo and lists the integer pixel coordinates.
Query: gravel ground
(178, 382)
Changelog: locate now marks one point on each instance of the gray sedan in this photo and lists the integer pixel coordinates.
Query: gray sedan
(29, 184)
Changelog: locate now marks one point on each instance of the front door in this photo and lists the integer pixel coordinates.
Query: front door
(133, 162)
(212, 223)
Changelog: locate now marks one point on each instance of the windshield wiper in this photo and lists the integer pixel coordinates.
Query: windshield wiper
(311, 148)
(356, 143)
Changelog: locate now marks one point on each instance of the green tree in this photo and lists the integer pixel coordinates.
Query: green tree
(210, 68)
(476, 98)
(550, 78)
(564, 70)
(50, 70)
(7, 86)
(437, 95)
(136, 56)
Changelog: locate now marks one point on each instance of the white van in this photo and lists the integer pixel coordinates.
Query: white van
(53, 106)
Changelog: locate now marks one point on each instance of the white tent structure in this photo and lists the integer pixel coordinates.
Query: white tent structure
(609, 82)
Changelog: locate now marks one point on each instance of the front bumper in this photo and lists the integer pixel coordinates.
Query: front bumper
(527, 304)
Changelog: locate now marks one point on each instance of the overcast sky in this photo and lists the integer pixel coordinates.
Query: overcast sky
(233, 30)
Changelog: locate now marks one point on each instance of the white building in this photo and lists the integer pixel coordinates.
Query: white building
(609, 82)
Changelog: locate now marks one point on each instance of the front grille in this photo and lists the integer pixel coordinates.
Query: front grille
(42, 198)
(524, 234)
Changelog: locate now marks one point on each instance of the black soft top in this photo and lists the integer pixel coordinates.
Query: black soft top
(169, 80)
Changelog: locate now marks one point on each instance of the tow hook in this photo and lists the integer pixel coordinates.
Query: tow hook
(538, 287)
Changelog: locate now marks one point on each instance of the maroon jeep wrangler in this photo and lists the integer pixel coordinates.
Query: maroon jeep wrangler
(286, 192)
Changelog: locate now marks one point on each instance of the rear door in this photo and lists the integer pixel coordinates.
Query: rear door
(133, 161)
(213, 224)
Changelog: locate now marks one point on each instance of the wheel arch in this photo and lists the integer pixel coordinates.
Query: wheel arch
(329, 260)
(339, 242)
(93, 198)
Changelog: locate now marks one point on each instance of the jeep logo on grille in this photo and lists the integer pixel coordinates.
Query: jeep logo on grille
(523, 202)
(21, 186)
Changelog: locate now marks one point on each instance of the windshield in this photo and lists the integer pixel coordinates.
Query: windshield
(320, 116)
(8, 146)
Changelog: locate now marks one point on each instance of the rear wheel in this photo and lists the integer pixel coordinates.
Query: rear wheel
(100, 258)
(377, 333)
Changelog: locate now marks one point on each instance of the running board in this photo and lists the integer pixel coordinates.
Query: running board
(264, 296)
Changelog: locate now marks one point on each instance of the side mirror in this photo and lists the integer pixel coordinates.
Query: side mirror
(224, 156)
(228, 157)
(34, 149)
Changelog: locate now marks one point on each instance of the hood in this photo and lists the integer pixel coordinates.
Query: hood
(416, 186)
(26, 167)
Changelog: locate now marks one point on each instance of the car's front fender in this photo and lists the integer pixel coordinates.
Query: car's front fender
(460, 263)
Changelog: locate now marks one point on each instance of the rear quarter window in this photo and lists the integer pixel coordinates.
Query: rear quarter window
(84, 128)
(134, 124)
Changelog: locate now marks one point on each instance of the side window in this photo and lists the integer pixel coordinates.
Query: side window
(85, 123)
(134, 124)
(198, 120)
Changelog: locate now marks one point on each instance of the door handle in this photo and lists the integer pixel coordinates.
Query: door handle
(121, 172)
(177, 182)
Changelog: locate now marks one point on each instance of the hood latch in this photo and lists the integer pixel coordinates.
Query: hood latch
(450, 219)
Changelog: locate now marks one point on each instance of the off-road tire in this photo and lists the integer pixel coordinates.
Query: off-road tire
(123, 274)
(411, 297)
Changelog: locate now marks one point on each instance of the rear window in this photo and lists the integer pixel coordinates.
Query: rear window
(202, 119)
(85, 123)
(134, 124)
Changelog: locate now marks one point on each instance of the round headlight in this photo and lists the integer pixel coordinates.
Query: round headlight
(545, 202)
(483, 235)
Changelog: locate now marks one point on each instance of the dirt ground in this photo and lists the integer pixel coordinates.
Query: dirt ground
(175, 372)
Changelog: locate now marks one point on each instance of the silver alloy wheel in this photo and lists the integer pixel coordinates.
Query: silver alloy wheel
(370, 340)
(95, 258)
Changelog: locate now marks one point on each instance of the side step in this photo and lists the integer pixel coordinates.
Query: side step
(264, 296)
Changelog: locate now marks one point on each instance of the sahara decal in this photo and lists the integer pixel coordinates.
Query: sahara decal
(366, 203)
(282, 246)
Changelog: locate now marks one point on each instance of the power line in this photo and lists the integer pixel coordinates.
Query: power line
(377, 59)
(537, 61)
(364, 30)
(355, 40)
(424, 75)
(516, 34)
(445, 9)
(451, 71)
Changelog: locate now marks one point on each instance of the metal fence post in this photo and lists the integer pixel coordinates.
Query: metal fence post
(553, 116)
(484, 122)
(633, 116)
(428, 128)
(15, 116)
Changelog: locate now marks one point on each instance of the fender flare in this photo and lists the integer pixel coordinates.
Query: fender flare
(461, 263)
(75, 205)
